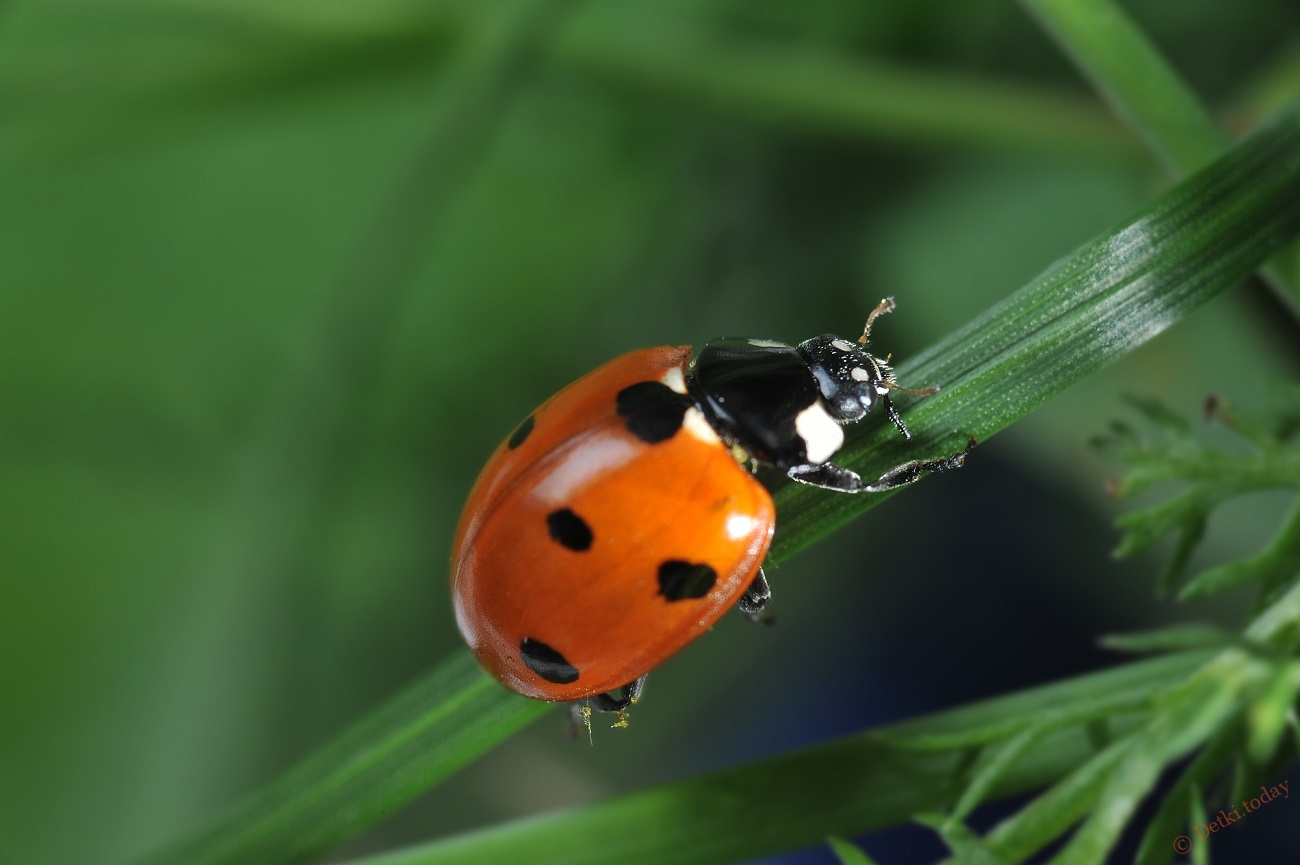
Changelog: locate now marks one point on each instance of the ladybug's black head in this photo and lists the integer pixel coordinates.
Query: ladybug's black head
(850, 378)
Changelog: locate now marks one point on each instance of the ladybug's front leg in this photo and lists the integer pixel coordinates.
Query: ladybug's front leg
(828, 476)
(909, 472)
(833, 477)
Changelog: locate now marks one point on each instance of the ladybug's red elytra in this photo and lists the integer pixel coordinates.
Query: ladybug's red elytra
(620, 520)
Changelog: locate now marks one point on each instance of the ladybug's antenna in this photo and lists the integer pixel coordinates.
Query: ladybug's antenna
(925, 391)
(886, 305)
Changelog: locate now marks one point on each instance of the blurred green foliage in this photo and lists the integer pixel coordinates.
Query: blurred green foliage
(248, 368)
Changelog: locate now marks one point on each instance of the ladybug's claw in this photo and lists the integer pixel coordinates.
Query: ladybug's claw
(631, 692)
(751, 603)
(580, 710)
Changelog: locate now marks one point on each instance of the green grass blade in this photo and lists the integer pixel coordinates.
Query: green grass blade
(995, 763)
(1200, 852)
(1279, 624)
(1134, 79)
(1188, 635)
(846, 787)
(1271, 567)
(679, 58)
(807, 90)
(1184, 717)
(1062, 704)
(443, 721)
(1053, 812)
(966, 846)
(1085, 311)
(847, 853)
(1171, 818)
(1129, 781)
(1148, 94)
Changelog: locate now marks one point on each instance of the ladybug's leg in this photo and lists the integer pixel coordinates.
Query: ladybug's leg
(908, 472)
(631, 693)
(751, 603)
(833, 477)
(580, 710)
(828, 476)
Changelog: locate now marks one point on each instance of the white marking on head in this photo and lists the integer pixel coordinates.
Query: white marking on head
(766, 343)
(843, 344)
(695, 424)
(675, 380)
(821, 435)
(860, 374)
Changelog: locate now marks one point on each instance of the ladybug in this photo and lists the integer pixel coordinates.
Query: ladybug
(622, 518)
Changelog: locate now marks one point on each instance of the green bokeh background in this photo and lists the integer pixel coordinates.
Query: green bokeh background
(249, 369)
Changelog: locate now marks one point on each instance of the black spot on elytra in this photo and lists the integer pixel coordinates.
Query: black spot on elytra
(679, 580)
(654, 411)
(521, 433)
(546, 662)
(569, 530)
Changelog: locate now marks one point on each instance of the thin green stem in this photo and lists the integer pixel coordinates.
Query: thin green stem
(1150, 96)
(1135, 80)
(846, 787)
